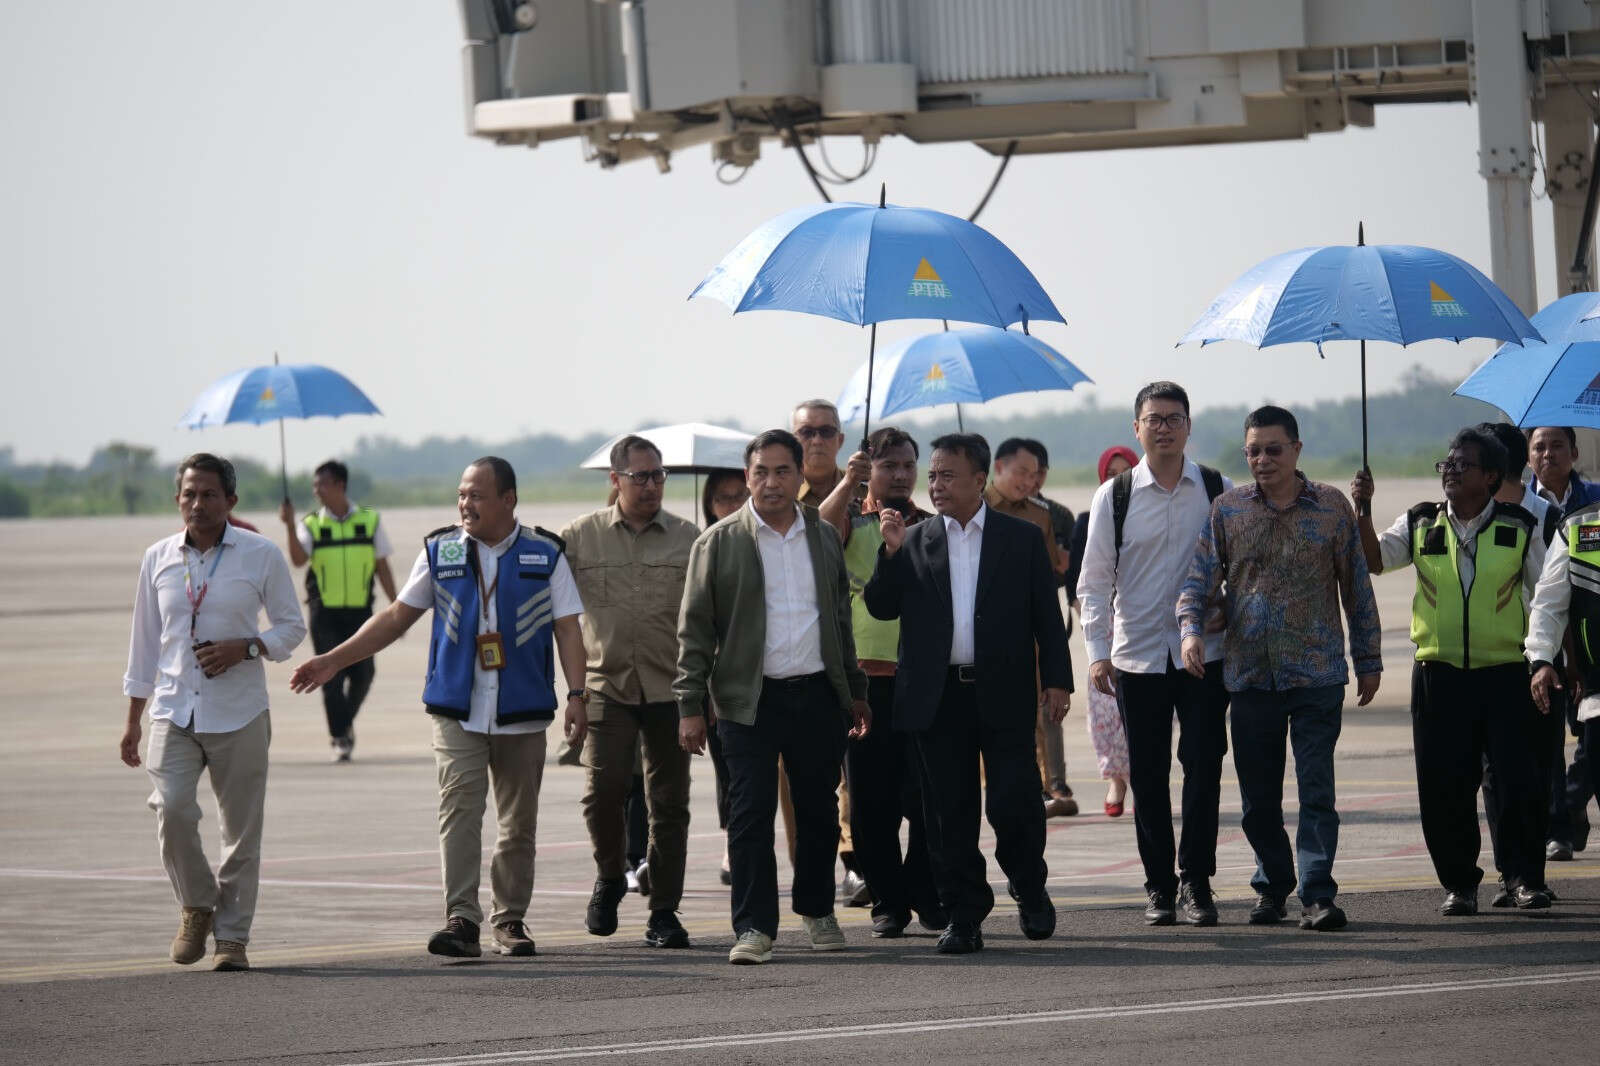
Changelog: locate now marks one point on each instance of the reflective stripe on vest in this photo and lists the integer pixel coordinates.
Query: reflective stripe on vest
(875, 639)
(1583, 574)
(1484, 627)
(342, 558)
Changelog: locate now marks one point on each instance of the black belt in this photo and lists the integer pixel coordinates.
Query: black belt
(794, 682)
(966, 673)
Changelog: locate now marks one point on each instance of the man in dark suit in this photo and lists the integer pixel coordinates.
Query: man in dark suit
(976, 598)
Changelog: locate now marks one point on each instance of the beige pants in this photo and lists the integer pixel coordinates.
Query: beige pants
(237, 762)
(468, 764)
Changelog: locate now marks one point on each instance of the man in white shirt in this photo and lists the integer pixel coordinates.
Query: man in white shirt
(1127, 588)
(194, 660)
(499, 593)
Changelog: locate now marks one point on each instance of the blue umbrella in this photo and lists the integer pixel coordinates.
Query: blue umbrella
(1553, 382)
(264, 393)
(959, 366)
(1385, 292)
(868, 264)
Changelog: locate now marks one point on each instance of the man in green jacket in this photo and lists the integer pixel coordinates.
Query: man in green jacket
(765, 630)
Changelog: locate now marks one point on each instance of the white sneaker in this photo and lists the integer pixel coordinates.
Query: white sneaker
(751, 949)
(825, 933)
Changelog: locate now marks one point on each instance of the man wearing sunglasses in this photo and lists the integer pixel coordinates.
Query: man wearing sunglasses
(1289, 552)
(1478, 561)
(629, 560)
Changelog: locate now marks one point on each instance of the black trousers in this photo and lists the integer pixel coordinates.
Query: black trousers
(719, 770)
(800, 720)
(883, 792)
(1148, 702)
(947, 765)
(636, 815)
(1547, 733)
(1459, 718)
(341, 697)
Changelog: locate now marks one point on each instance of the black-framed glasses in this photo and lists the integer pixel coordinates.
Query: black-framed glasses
(1172, 421)
(817, 432)
(1271, 451)
(1454, 466)
(657, 476)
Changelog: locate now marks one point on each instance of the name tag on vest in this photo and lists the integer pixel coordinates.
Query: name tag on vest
(1589, 538)
(533, 559)
(445, 572)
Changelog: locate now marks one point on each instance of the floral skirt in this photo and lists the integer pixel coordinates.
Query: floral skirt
(1106, 734)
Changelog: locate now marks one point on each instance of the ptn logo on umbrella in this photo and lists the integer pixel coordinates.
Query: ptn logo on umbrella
(268, 397)
(1589, 397)
(1444, 305)
(934, 381)
(927, 282)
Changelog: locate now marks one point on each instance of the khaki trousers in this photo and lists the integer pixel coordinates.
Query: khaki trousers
(608, 756)
(469, 763)
(237, 762)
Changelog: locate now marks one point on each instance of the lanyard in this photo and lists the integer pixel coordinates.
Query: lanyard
(196, 599)
(477, 571)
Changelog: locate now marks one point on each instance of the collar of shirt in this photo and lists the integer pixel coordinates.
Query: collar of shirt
(351, 507)
(497, 549)
(1467, 528)
(1551, 496)
(953, 528)
(1305, 495)
(617, 519)
(1144, 477)
(805, 487)
(230, 537)
(795, 530)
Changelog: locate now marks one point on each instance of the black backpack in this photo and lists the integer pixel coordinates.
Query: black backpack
(1122, 488)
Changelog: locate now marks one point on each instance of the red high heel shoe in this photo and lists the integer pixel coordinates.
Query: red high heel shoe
(1113, 810)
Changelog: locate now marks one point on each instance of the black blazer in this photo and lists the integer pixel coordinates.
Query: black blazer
(1016, 612)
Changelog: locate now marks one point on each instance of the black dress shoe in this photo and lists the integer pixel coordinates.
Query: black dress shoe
(1530, 899)
(1037, 917)
(1323, 916)
(1196, 904)
(960, 940)
(1269, 910)
(1557, 851)
(933, 919)
(457, 940)
(1160, 910)
(1502, 896)
(601, 917)
(1580, 828)
(1459, 904)
(890, 926)
(663, 930)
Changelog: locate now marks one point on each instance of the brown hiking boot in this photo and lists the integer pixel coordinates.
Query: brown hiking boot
(230, 956)
(189, 946)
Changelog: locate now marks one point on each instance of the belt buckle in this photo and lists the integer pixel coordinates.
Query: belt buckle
(967, 672)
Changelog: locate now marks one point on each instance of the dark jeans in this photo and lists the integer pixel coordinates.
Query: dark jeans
(800, 720)
(341, 697)
(883, 791)
(947, 764)
(1147, 702)
(1309, 719)
(1459, 717)
(1547, 734)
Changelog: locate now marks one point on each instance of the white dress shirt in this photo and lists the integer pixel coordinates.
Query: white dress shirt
(794, 640)
(966, 550)
(251, 574)
(564, 601)
(1552, 596)
(1394, 544)
(1129, 607)
(381, 548)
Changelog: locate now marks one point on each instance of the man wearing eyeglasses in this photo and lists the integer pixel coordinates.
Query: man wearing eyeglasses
(629, 560)
(1289, 552)
(1478, 562)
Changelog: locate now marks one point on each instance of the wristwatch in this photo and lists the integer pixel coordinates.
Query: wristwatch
(252, 650)
(578, 694)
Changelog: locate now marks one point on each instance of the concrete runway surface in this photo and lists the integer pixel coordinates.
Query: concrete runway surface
(350, 892)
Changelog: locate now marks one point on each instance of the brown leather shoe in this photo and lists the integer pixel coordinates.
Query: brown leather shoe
(1069, 803)
(230, 956)
(189, 946)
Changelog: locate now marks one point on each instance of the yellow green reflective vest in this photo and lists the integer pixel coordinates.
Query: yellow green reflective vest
(875, 638)
(1582, 530)
(1485, 626)
(342, 559)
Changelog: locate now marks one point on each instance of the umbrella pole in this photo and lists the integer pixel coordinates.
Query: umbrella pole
(866, 426)
(283, 460)
(1366, 505)
(961, 426)
(696, 498)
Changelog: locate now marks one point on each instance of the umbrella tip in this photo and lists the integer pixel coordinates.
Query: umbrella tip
(883, 194)
(1361, 234)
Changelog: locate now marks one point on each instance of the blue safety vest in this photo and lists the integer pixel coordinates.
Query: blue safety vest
(524, 613)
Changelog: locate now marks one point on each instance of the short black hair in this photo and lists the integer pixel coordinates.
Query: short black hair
(211, 464)
(1161, 390)
(1491, 453)
(624, 447)
(335, 470)
(709, 493)
(1572, 436)
(505, 478)
(971, 445)
(1515, 444)
(1012, 445)
(1262, 417)
(885, 437)
(771, 438)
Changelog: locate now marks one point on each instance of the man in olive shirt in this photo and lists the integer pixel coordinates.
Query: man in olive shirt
(1018, 472)
(629, 560)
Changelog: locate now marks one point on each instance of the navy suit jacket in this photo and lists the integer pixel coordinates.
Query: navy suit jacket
(1017, 624)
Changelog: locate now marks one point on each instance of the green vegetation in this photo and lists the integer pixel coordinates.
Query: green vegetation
(1408, 430)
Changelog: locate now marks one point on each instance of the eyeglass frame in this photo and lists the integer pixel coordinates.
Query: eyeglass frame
(657, 476)
(1153, 421)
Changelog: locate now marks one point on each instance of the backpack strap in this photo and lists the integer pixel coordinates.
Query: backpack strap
(1212, 479)
(1121, 490)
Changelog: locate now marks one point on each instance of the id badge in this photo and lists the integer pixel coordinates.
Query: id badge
(491, 651)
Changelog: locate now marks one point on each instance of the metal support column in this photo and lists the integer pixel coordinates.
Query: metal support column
(1569, 131)
(1501, 90)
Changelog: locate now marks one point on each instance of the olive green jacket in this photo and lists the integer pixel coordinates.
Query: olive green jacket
(722, 623)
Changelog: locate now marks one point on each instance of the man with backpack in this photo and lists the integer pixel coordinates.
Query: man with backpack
(1143, 528)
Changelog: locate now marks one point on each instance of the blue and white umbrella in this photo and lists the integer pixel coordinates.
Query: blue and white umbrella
(1552, 382)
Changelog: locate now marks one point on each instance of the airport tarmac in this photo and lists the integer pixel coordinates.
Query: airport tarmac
(350, 892)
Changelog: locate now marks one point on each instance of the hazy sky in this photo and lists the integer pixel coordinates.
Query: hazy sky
(192, 186)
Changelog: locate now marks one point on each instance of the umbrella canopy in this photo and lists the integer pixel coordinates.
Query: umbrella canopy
(266, 393)
(867, 263)
(691, 447)
(958, 366)
(1553, 382)
(1379, 292)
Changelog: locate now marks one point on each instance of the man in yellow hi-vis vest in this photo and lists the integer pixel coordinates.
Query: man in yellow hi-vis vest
(1477, 562)
(346, 548)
